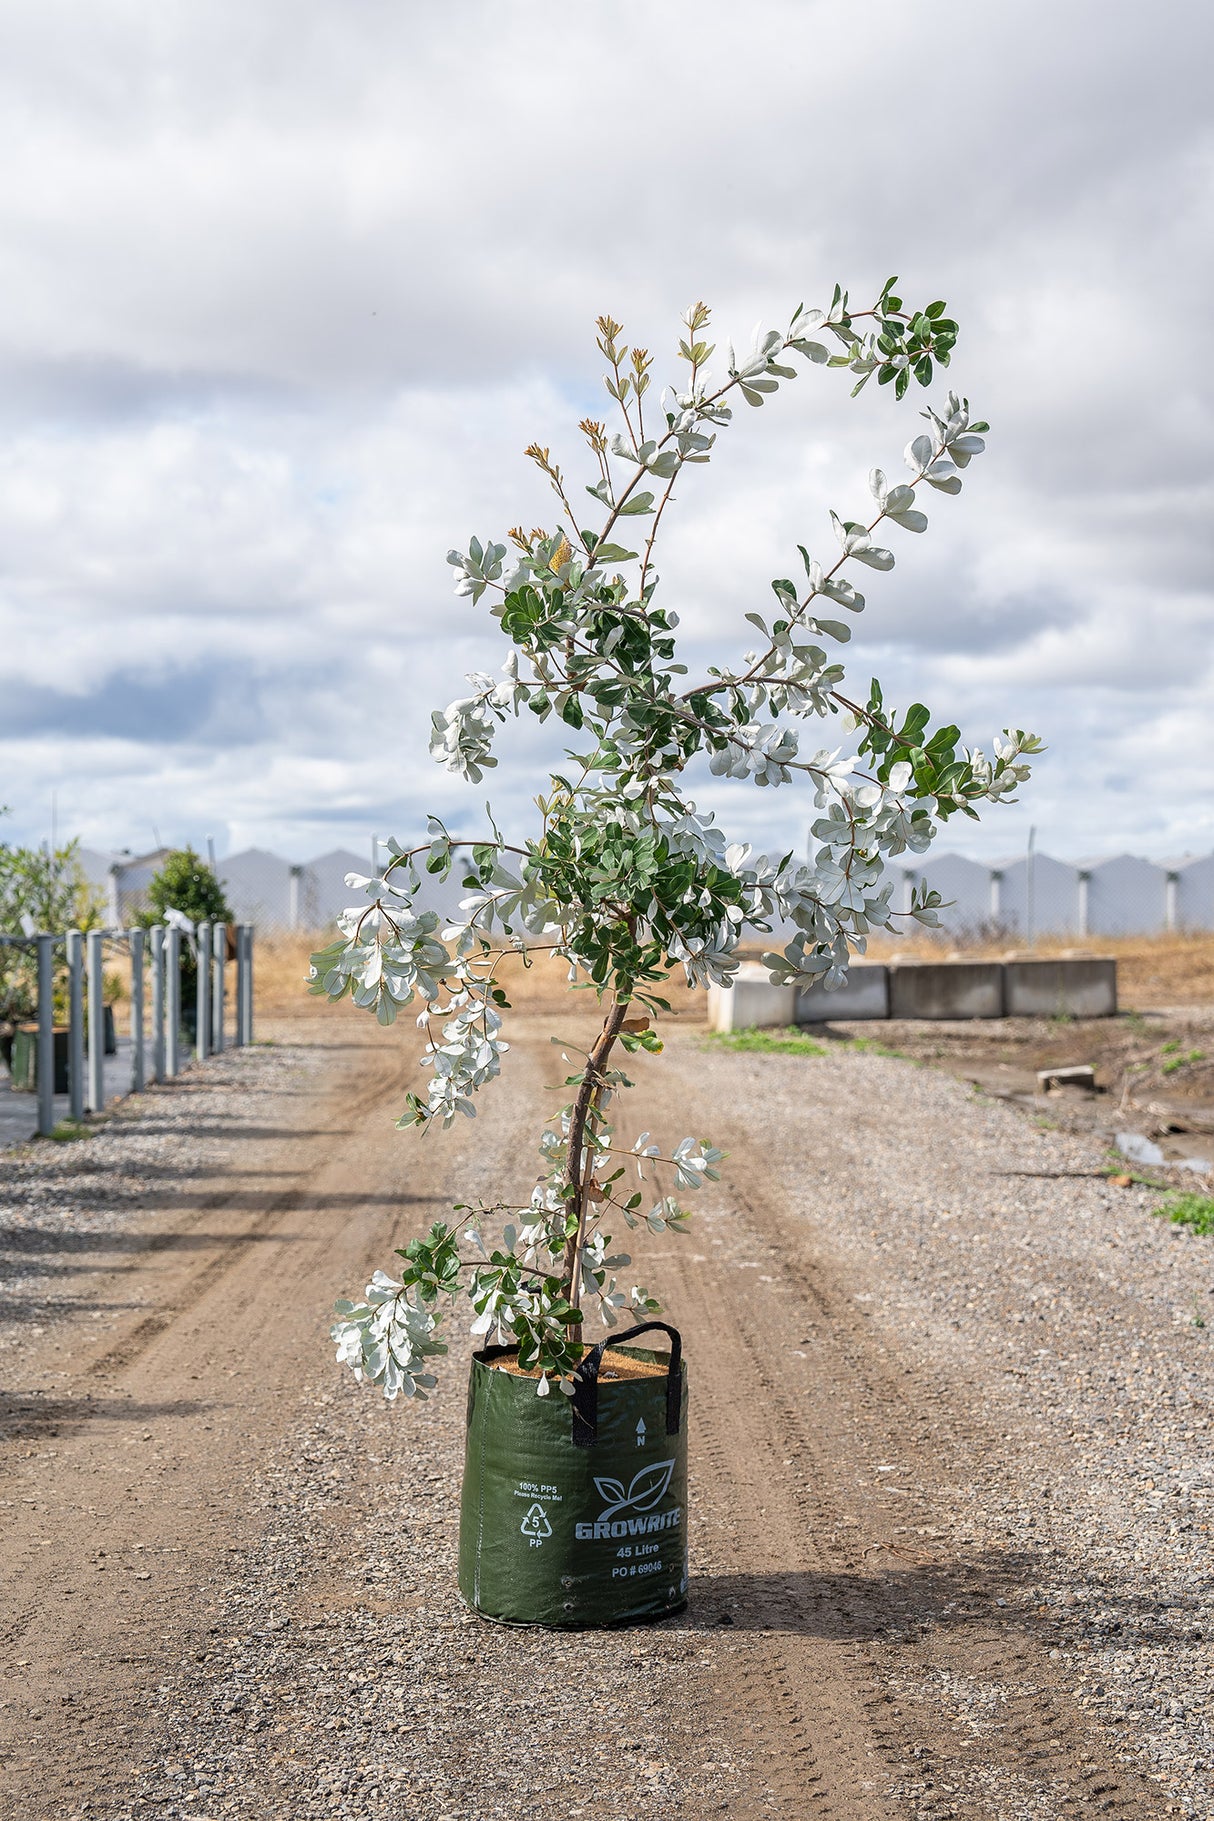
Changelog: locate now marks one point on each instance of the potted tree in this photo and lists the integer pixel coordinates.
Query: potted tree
(41, 889)
(185, 883)
(572, 1506)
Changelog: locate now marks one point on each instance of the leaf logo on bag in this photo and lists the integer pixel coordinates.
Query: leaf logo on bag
(643, 1494)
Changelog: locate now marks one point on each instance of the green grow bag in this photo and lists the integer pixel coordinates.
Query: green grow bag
(574, 1509)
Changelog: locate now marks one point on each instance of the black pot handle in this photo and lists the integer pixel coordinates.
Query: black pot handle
(586, 1384)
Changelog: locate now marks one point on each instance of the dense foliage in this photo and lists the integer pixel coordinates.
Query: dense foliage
(625, 878)
(186, 884)
(42, 890)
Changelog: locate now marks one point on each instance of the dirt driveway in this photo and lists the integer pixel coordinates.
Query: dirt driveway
(950, 1459)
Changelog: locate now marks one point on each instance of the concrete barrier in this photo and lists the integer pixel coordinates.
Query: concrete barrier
(864, 994)
(946, 989)
(1076, 988)
(752, 1002)
(1080, 987)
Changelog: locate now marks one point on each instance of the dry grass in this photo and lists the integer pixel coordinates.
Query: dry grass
(1152, 971)
(280, 975)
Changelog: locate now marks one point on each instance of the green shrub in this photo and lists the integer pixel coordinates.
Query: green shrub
(186, 884)
(49, 888)
(1189, 1210)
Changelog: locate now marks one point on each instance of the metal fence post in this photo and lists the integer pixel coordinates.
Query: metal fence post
(93, 969)
(135, 943)
(202, 1030)
(239, 1022)
(219, 956)
(75, 1023)
(172, 997)
(46, 1034)
(158, 1003)
(244, 983)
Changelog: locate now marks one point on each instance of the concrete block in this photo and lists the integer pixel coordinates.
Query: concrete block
(946, 989)
(1080, 988)
(1077, 1075)
(752, 1002)
(864, 994)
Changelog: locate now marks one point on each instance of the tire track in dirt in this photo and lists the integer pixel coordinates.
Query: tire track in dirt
(164, 1387)
(844, 1610)
(850, 1628)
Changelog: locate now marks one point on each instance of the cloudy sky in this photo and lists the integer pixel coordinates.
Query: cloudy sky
(286, 288)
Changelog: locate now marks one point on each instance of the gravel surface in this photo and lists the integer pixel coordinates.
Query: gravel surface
(64, 1203)
(319, 1661)
(369, 1688)
(950, 1470)
(994, 1253)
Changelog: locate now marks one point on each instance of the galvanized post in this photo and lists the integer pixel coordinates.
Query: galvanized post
(75, 1023)
(172, 995)
(244, 946)
(239, 1022)
(219, 956)
(46, 1034)
(93, 970)
(158, 1003)
(135, 943)
(202, 1032)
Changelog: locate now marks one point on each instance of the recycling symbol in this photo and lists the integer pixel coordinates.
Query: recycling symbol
(536, 1526)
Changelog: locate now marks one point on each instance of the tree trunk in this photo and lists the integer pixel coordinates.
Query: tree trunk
(577, 1165)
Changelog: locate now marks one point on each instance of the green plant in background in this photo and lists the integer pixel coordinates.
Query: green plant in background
(625, 878)
(771, 1043)
(187, 884)
(41, 891)
(1189, 1210)
(1181, 1061)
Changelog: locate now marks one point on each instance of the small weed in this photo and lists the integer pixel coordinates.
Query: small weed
(1045, 1125)
(1118, 1171)
(1061, 1018)
(769, 1042)
(1169, 1049)
(871, 1047)
(1179, 1062)
(1197, 1318)
(68, 1131)
(1189, 1210)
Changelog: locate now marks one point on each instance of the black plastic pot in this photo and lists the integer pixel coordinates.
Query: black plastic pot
(574, 1509)
(23, 1063)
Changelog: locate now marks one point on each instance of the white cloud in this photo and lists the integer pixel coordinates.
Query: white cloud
(285, 290)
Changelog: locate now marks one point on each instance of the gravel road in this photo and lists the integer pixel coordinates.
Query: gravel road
(950, 1465)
